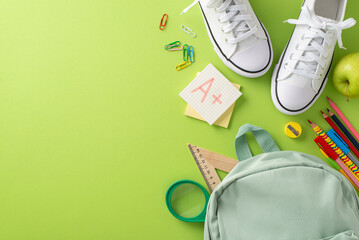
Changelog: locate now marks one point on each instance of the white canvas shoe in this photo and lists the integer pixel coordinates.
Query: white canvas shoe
(302, 71)
(237, 35)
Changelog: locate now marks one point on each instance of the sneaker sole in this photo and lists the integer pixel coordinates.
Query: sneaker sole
(228, 63)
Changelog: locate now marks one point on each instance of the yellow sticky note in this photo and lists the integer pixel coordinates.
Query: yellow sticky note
(222, 121)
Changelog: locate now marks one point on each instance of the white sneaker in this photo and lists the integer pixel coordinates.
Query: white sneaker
(238, 37)
(302, 71)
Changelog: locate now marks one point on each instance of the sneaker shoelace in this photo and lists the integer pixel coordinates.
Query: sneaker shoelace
(231, 18)
(317, 51)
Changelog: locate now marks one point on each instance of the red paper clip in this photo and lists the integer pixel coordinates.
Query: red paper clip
(163, 21)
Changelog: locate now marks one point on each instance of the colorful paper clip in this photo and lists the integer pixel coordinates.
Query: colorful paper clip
(183, 65)
(178, 48)
(185, 52)
(188, 31)
(172, 45)
(163, 21)
(191, 54)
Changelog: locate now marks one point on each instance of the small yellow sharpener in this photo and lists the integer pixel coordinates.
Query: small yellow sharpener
(293, 130)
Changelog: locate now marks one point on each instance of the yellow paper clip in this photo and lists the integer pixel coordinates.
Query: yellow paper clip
(183, 65)
(188, 31)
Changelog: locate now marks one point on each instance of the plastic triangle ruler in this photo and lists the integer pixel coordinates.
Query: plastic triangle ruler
(208, 162)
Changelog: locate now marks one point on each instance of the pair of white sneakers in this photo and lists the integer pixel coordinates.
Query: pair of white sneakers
(243, 44)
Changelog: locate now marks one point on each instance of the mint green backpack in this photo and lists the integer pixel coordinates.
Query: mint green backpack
(281, 195)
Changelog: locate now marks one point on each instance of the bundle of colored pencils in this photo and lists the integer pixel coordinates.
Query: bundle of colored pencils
(342, 146)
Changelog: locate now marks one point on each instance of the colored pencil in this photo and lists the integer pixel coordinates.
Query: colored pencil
(351, 166)
(344, 129)
(345, 120)
(353, 158)
(335, 165)
(323, 138)
(347, 177)
(337, 130)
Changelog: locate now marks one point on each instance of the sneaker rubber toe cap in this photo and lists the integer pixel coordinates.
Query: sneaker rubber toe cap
(253, 59)
(293, 98)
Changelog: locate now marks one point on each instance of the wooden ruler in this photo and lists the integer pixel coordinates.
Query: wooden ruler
(208, 162)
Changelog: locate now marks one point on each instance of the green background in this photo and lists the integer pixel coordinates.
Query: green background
(92, 127)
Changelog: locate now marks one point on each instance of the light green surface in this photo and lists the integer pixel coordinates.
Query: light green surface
(92, 127)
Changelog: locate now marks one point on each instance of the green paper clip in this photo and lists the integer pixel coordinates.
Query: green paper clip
(172, 45)
(185, 52)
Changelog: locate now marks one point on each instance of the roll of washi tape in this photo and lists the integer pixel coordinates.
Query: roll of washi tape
(293, 130)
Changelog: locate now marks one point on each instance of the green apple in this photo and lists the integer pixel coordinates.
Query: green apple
(346, 75)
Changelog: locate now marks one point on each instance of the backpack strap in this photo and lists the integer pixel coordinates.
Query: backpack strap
(263, 138)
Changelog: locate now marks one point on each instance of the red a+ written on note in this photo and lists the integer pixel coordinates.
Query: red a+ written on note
(217, 99)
